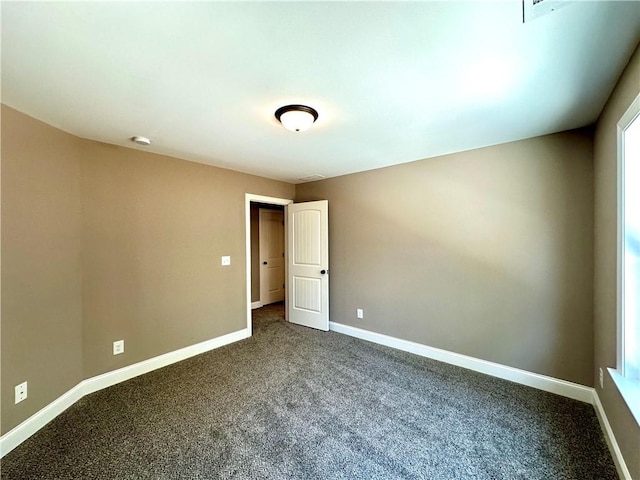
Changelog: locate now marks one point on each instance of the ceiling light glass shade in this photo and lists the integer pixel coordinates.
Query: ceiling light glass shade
(296, 118)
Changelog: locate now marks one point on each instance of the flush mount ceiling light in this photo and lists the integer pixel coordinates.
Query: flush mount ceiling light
(141, 141)
(296, 118)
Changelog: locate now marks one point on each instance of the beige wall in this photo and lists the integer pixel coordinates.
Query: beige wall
(41, 264)
(488, 253)
(154, 231)
(102, 243)
(624, 426)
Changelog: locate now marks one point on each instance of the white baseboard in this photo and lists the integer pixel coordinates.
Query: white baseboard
(618, 459)
(535, 380)
(19, 434)
(111, 378)
(35, 422)
(255, 305)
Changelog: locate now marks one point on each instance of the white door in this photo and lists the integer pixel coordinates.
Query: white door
(308, 264)
(271, 227)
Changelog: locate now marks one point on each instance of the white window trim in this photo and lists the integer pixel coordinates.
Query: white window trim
(629, 389)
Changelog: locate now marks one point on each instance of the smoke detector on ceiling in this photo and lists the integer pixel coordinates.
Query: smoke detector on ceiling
(144, 141)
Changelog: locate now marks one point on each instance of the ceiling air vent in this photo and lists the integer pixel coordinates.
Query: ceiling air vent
(532, 9)
(312, 178)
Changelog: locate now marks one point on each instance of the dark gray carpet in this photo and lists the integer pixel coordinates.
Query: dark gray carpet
(295, 403)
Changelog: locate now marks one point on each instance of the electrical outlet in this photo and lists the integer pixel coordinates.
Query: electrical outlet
(21, 392)
(226, 260)
(359, 313)
(601, 378)
(118, 347)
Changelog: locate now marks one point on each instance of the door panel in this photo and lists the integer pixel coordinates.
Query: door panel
(307, 227)
(306, 294)
(271, 256)
(308, 255)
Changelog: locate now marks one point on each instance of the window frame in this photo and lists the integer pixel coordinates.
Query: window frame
(629, 388)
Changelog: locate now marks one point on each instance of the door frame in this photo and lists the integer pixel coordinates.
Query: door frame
(248, 198)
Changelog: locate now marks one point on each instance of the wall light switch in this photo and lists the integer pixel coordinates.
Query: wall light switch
(118, 347)
(226, 260)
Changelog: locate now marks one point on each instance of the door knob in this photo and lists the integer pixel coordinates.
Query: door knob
(323, 272)
(264, 263)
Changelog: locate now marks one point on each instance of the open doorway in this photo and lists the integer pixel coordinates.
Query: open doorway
(265, 281)
(306, 230)
(267, 264)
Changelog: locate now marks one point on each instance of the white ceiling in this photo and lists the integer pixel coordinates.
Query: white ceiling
(393, 82)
